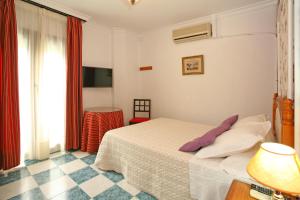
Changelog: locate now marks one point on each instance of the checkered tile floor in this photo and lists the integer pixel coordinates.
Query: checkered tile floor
(67, 176)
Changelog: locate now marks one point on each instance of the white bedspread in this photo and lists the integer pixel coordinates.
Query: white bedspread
(207, 179)
(147, 155)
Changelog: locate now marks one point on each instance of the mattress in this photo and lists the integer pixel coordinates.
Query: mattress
(147, 155)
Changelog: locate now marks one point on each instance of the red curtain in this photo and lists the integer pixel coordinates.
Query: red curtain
(74, 108)
(9, 100)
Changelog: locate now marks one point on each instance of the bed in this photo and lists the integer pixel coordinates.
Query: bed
(148, 157)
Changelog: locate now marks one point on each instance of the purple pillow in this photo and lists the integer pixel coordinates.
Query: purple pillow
(209, 137)
(231, 120)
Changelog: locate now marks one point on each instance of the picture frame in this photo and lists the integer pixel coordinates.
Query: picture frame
(193, 65)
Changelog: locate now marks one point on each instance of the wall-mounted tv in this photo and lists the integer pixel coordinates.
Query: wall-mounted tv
(97, 77)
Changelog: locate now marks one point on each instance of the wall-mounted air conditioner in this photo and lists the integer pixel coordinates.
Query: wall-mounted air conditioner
(192, 33)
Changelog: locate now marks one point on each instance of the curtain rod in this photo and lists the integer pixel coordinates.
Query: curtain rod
(50, 9)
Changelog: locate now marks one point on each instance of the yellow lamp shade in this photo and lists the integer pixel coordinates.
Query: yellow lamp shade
(276, 166)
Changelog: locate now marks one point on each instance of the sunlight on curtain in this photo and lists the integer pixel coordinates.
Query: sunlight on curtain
(26, 97)
(42, 85)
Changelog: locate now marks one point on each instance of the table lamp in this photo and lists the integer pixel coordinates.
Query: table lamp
(276, 166)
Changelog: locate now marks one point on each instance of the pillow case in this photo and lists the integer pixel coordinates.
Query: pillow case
(254, 118)
(209, 137)
(258, 128)
(232, 142)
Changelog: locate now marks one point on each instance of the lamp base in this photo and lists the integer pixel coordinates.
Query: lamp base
(277, 196)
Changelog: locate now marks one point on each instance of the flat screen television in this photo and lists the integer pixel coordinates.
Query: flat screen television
(97, 77)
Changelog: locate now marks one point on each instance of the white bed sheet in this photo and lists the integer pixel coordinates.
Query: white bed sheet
(210, 179)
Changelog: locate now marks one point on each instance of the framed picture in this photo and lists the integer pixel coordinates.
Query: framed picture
(192, 65)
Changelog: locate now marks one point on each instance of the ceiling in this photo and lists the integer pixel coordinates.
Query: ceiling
(150, 14)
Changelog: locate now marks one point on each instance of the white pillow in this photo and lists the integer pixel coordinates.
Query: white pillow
(254, 118)
(229, 143)
(258, 128)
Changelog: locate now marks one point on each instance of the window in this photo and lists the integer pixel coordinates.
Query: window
(42, 80)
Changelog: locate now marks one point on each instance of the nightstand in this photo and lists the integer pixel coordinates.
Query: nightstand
(238, 191)
(241, 191)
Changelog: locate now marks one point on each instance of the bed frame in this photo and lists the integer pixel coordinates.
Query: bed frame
(285, 107)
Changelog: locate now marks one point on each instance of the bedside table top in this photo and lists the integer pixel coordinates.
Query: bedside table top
(239, 190)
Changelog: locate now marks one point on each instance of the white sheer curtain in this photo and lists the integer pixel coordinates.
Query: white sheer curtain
(42, 80)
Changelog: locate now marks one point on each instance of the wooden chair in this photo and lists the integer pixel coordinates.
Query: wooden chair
(141, 106)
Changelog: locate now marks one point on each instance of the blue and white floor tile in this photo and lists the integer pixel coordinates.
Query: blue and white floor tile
(96, 185)
(67, 176)
(41, 166)
(80, 154)
(73, 166)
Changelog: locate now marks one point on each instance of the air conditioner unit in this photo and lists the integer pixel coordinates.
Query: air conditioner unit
(192, 33)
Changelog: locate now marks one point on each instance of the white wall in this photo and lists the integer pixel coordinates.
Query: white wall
(112, 48)
(126, 80)
(240, 68)
(260, 18)
(97, 52)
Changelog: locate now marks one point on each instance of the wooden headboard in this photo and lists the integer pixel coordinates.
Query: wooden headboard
(285, 109)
